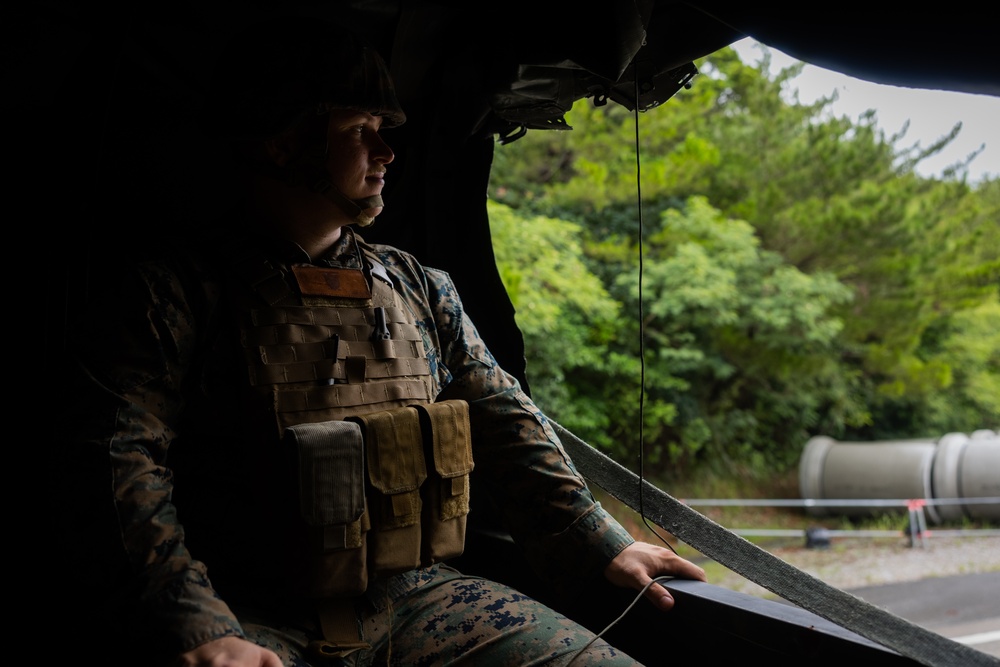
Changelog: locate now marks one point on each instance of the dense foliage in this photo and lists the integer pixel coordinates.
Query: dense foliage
(786, 274)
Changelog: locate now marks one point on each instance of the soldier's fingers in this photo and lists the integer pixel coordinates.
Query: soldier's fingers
(660, 597)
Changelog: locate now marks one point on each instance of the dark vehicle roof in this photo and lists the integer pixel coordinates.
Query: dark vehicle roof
(103, 96)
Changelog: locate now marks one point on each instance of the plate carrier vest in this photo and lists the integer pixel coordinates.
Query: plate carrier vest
(383, 470)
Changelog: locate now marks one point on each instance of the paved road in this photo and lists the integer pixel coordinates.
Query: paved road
(965, 608)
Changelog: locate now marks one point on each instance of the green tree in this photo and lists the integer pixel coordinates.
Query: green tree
(754, 347)
(564, 312)
(741, 344)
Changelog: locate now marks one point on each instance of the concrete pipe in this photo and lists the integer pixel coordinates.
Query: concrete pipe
(968, 467)
(852, 471)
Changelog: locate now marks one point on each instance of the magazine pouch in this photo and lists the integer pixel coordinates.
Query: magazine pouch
(396, 470)
(332, 505)
(448, 451)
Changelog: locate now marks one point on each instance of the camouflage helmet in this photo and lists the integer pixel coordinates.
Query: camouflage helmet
(276, 73)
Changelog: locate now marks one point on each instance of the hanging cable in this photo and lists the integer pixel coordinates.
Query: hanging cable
(642, 319)
(620, 617)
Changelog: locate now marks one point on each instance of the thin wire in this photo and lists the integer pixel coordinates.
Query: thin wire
(642, 326)
(620, 617)
(642, 384)
(642, 319)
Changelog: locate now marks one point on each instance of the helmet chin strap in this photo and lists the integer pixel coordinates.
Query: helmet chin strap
(313, 174)
(356, 208)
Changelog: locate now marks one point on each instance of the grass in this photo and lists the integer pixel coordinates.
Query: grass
(851, 560)
(743, 484)
(706, 485)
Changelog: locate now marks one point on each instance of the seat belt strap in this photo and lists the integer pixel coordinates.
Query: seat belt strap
(767, 570)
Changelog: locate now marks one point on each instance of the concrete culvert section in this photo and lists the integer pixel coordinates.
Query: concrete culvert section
(968, 467)
(954, 467)
(833, 470)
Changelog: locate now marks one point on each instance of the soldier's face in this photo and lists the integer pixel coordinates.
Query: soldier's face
(357, 155)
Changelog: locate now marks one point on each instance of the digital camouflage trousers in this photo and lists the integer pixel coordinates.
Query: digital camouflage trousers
(438, 616)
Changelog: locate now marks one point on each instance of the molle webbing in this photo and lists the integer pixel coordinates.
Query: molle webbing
(324, 370)
(319, 317)
(328, 355)
(325, 365)
(292, 351)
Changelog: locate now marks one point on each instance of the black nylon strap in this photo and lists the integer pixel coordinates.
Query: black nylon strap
(767, 570)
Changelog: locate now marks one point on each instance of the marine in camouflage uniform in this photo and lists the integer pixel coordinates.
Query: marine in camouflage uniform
(181, 455)
(170, 412)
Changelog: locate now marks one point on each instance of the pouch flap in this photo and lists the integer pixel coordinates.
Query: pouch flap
(451, 442)
(394, 449)
(331, 471)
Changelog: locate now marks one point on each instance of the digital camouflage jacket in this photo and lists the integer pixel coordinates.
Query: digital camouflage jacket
(178, 480)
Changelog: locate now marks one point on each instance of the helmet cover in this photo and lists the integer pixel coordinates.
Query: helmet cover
(275, 74)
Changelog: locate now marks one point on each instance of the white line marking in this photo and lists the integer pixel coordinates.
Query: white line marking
(979, 638)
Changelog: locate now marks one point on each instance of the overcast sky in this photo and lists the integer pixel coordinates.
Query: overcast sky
(932, 113)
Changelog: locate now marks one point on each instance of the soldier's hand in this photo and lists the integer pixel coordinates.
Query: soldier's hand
(640, 562)
(229, 652)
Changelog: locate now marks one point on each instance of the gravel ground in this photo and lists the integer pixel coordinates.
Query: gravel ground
(850, 563)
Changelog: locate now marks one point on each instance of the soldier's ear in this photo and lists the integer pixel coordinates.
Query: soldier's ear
(279, 150)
